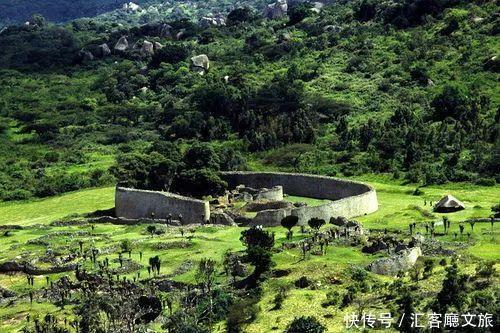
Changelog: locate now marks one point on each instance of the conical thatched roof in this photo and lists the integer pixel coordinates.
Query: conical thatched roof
(448, 204)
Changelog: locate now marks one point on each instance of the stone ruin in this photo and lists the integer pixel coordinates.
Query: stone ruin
(260, 193)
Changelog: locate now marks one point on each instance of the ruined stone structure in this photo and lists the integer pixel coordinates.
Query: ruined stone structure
(346, 198)
(349, 198)
(137, 204)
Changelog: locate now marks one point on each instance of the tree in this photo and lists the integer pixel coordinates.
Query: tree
(170, 53)
(239, 15)
(428, 267)
(496, 210)
(406, 307)
(289, 222)
(305, 324)
(486, 270)
(257, 237)
(155, 264)
(126, 246)
(151, 229)
(201, 156)
(316, 223)
(453, 292)
(199, 182)
(299, 12)
(452, 101)
(205, 274)
(259, 244)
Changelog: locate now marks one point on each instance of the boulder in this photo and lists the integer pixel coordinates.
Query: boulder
(375, 247)
(276, 10)
(395, 264)
(207, 22)
(219, 217)
(417, 240)
(242, 220)
(179, 12)
(332, 28)
(147, 49)
(87, 56)
(103, 50)
(122, 44)
(201, 63)
(131, 7)
(245, 196)
(157, 46)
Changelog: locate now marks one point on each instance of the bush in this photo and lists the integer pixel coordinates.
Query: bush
(305, 324)
(199, 183)
(486, 182)
(170, 53)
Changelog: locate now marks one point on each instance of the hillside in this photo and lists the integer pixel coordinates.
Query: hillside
(345, 90)
(18, 11)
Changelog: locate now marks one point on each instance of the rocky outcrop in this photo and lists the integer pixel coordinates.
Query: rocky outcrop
(221, 218)
(332, 28)
(103, 50)
(276, 10)
(147, 49)
(157, 46)
(201, 63)
(122, 44)
(131, 7)
(87, 56)
(374, 247)
(207, 22)
(162, 30)
(401, 262)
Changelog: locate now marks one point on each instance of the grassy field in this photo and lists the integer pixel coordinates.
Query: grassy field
(44, 211)
(180, 253)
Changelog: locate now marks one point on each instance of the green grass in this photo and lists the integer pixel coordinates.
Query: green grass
(44, 211)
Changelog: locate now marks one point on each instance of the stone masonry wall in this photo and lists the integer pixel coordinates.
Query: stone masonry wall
(136, 204)
(349, 198)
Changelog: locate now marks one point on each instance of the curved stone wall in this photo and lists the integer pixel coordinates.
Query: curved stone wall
(137, 204)
(349, 198)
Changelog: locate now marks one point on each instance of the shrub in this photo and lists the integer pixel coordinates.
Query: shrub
(486, 182)
(305, 324)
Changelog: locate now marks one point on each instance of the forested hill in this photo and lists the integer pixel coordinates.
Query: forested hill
(16, 11)
(405, 87)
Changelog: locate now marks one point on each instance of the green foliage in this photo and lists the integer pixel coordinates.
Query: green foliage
(170, 53)
(454, 292)
(305, 324)
(239, 15)
(316, 223)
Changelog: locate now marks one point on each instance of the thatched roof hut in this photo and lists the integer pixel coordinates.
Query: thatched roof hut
(448, 204)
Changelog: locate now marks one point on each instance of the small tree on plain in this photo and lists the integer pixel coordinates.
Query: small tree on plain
(316, 223)
(305, 324)
(205, 274)
(289, 222)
